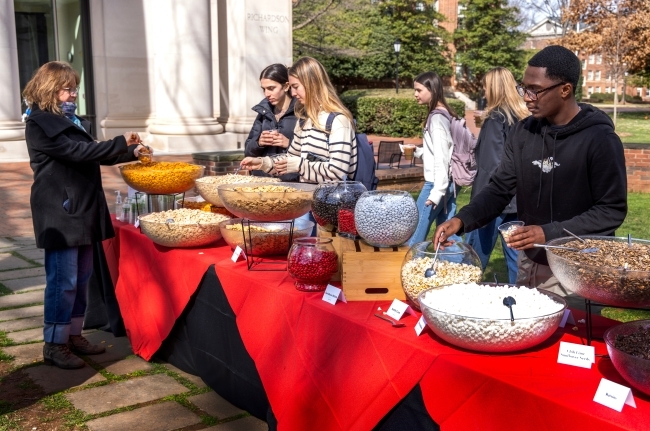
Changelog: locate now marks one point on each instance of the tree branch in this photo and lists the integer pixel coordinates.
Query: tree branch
(313, 17)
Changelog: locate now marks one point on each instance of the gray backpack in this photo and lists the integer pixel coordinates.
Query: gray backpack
(463, 156)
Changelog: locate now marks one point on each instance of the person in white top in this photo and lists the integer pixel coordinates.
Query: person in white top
(437, 201)
(317, 157)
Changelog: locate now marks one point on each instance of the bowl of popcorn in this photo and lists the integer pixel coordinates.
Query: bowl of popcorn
(208, 186)
(161, 178)
(628, 346)
(473, 316)
(457, 263)
(605, 269)
(263, 238)
(194, 203)
(182, 227)
(267, 202)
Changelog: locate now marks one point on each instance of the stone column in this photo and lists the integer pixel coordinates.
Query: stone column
(12, 130)
(182, 73)
(252, 35)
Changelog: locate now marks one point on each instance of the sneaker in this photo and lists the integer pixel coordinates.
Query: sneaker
(61, 356)
(81, 346)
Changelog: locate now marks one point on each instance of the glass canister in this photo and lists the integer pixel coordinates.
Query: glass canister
(386, 218)
(330, 198)
(456, 264)
(312, 263)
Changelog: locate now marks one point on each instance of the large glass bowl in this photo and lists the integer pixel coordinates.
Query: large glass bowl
(208, 187)
(334, 199)
(312, 262)
(492, 335)
(167, 230)
(605, 285)
(267, 238)
(161, 178)
(267, 202)
(635, 370)
(457, 263)
(385, 218)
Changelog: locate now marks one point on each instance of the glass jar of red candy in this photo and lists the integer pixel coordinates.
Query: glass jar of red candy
(330, 198)
(312, 263)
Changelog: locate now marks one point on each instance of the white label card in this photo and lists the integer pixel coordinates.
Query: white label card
(398, 308)
(137, 223)
(613, 395)
(576, 355)
(567, 318)
(333, 294)
(237, 254)
(419, 327)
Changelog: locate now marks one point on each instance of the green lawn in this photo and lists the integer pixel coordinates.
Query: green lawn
(636, 224)
(633, 127)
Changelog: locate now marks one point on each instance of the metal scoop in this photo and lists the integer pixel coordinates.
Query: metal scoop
(431, 272)
(584, 241)
(509, 301)
(559, 247)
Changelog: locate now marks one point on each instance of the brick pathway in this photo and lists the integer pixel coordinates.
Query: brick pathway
(117, 390)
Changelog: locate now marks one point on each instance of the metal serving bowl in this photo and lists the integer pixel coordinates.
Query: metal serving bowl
(635, 370)
(606, 285)
(244, 202)
(273, 243)
(492, 335)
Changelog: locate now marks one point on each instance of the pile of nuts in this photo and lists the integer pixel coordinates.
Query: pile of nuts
(161, 177)
(473, 316)
(267, 203)
(615, 274)
(414, 281)
(386, 219)
(182, 227)
(208, 186)
(265, 241)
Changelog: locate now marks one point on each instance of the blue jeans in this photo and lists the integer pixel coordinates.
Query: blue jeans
(67, 271)
(427, 214)
(484, 239)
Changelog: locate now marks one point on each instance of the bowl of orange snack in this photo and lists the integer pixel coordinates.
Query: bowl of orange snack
(161, 178)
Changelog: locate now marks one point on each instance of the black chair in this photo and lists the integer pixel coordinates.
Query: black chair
(389, 152)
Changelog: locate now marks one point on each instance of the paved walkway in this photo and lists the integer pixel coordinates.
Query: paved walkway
(116, 390)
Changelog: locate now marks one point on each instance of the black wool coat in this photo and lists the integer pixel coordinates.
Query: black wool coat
(265, 120)
(65, 161)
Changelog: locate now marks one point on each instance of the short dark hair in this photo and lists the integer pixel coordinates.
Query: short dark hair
(560, 63)
(276, 72)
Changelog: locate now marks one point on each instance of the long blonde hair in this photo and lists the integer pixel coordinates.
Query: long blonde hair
(320, 94)
(501, 93)
(44, 86)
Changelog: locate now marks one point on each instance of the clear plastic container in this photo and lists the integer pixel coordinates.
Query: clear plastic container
(312, 262)
(386, 218)
(335, 199)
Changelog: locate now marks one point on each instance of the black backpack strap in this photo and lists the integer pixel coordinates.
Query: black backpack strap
(328, 124)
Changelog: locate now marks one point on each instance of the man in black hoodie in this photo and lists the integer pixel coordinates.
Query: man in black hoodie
(565, 164)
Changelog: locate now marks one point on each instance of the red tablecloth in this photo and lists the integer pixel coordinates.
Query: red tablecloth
(338, 367)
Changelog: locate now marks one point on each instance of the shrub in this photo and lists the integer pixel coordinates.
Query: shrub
(390, 116)
(609, 98)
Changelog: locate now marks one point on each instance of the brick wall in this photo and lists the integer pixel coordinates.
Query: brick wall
(637, 161)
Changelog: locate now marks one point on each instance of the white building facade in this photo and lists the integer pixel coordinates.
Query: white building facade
(184, 73)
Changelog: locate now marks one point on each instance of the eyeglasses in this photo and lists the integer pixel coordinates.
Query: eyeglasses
(72, 91)
(533, 94)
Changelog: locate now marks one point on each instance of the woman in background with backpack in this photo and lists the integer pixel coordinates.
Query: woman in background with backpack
(437, 201)
(504, 108)
(317, 156)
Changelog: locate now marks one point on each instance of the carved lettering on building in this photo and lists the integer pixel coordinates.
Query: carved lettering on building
(269, 23)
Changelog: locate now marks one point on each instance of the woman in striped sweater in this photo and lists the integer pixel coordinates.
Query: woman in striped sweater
(317, 156)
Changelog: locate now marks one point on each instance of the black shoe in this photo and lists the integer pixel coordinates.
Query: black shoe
(61, 356)
(81, 346)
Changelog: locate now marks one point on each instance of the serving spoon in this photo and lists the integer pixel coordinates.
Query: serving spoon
(559, 247)
(392, 322)
(582, 240)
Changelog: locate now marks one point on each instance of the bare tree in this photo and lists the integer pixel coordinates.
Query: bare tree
(534, 10)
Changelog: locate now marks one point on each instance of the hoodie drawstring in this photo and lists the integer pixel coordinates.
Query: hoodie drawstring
(553, 174)
(541, 167)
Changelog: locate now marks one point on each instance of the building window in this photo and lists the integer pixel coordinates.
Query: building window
(597, 89)
(608, 90)
(647, 92)
(592, 59)
(419, 6)
(608, 75)
(639, 91)
(584, 64)
(599, 59)
(598, 75)
(590, 75)
(590, 91)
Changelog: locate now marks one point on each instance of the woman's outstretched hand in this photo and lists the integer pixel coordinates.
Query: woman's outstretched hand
(251, 163)
(132, 138)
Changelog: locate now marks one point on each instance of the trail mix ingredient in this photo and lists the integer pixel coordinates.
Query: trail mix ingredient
(182, 227)
(329, 198)
(635, 344)
(346, 222)
(194, 205)
(311, 267)
(473, 316)
(414, 281)
(510, 230)
(266, 203)
(161, 177)
(612, 254)
(266, 240)
(208, 186)
(386, 218)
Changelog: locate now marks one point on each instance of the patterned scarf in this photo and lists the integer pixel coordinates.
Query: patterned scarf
(69, 109)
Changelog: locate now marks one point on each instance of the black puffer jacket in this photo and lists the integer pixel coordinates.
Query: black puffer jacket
(570, 176)
(489, 149)
(266, 121)
(65, 161)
